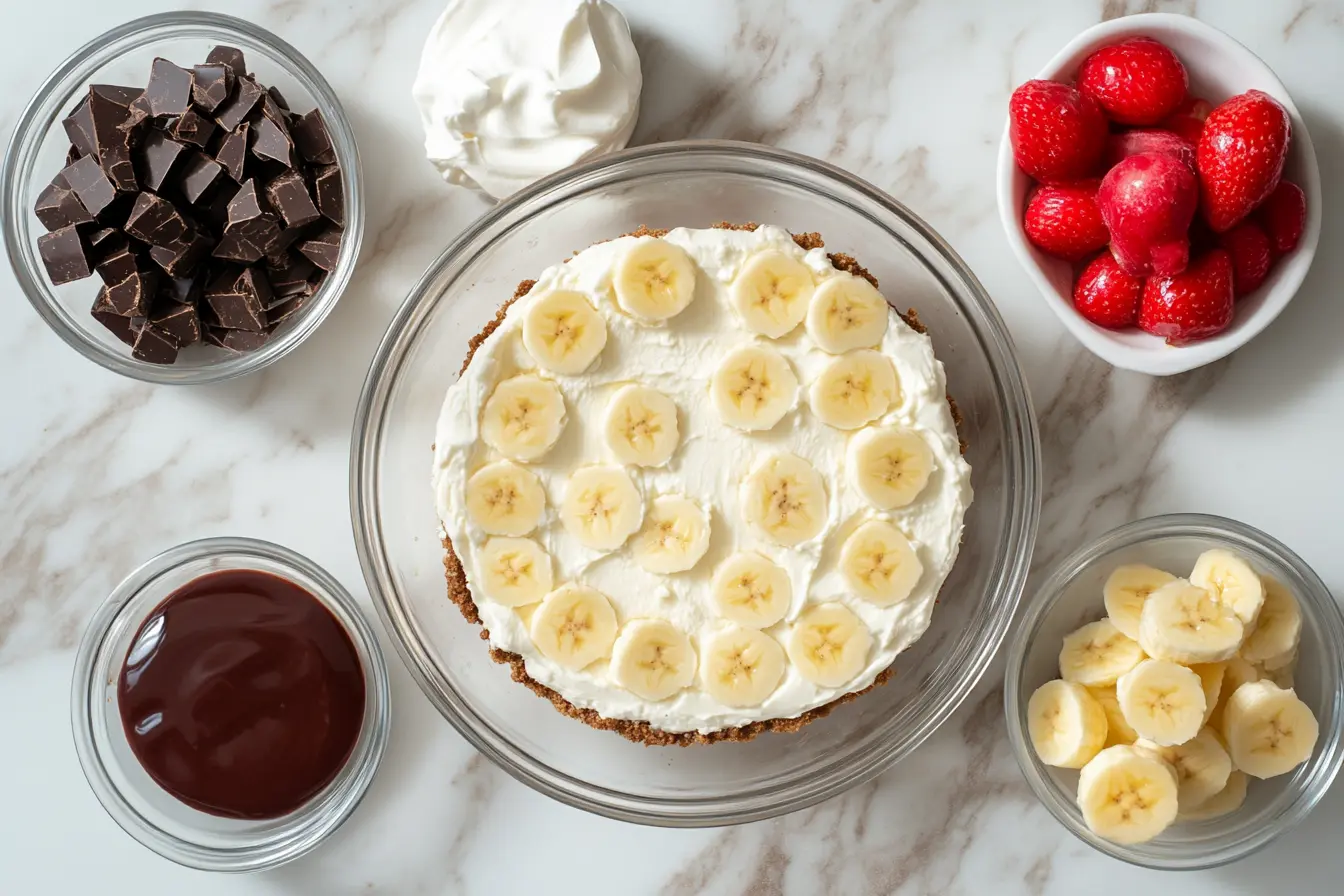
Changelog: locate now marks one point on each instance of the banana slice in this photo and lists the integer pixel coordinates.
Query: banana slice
(1118, 731)
(1066, 724)
(652, 659)
(880, 564)
(784, 497)
(829, 645)
(854, 389)
(1211, 680)
(1236, 672)
(1202, 767)
(1162, 701)
(563, 332)
(515, 572)
(1127, 795)
(641, 426)
(750, 590)
(523, 417)
(742, 666)
(846, 313)
(505, 499)
(1125, 592)
(1097, 654)
(654, 280)
(1230, 580)
(888, 466)
(1184, 623)
(1277, 630)
(574, 626)
(1269, 731)
(675, 535)
(1224, 802)
(772, 292)
(753, 388)
(601, 507)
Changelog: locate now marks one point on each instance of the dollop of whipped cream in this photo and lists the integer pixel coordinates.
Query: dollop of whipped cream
(512, 90)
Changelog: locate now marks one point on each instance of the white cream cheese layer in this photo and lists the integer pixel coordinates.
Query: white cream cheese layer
(678, 358)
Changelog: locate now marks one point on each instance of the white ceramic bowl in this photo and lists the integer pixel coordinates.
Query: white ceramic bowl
(1219, 68)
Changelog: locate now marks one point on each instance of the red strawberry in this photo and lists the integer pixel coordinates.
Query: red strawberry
(1058, 135)
(1137, 81)
(1106, 295)
(1064, 220)
(1240, 156)
(1251, 256)
(1194, 304)
(1147, 202)
(1284, 216)
(1130, 143)
(1187, 122)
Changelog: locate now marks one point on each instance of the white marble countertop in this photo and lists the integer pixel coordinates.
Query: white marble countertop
(98, 473)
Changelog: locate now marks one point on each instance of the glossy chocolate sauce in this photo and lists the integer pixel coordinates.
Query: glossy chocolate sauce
(242, 695)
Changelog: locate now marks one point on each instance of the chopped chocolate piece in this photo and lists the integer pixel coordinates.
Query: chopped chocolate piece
(116, 161)
(251, 229)
(237, 310)
(230, 56)
(181, 321)
(191, 127)
(169, 90)
(155, 345)
(199, 172)
(133, 296)
(329, 188)
(292, 281)
(181, 259)
(283, 310)
(79, 128)
(271, 140)
(254, 283)
(72, 156)
(65, 255)
(109, 109)
(211, 85)
(139, 112)
(277, 97)
(217, 211)
(121, 327)
(288, 195)
(238, 106)
(154, 220)
(316, 280)
(244, 340)
(215, 336)
(314, 142)
(324, 248)
(155, 158)
(232, 152)
(118, 264)
(105, 240)
(58, 206)
(90, 183)
(182, 290)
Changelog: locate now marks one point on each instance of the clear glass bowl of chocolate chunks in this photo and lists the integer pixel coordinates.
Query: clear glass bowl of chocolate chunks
(182, 200)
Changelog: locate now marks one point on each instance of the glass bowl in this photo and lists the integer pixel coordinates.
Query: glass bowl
(150, 814)
(693, 184)
(37, 149)
(1071, 596)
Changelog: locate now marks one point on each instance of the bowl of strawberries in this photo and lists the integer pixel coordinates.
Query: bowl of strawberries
(1158, 184)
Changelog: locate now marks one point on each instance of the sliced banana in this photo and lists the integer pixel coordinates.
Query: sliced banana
(505, 499)
(515, 572)
(654, 280)
(1097, 654)
(1230, 580)
(879, 563)
(652, 659)
(785, 499)
(772, 292)
(1162, 701)
(741, 666)
(750, 590)
(854, 389)
(1202, 767)
(1211, 680)
(574, 626)
(1277, 630)
(829, 645)
(675, 535)
(1236, 672)
(889, 466)
(563, 332)
(1224, 802)
(523, 417)
(1184, 623)
(1126, 590)
(846, 313)
(1269, 731)
(601, 507)
(641, 426)
(1118, 731)
(753, 388)
(1066, 724)
(1127, 795)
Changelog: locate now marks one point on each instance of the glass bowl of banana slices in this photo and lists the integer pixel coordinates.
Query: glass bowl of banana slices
(402, 414)
(1174, 692)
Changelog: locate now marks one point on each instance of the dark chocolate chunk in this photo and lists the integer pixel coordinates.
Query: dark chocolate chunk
(121, 327)
(329, 188)
(133, 296)
(139, 113)
(192, 127)
(244, 340)
(181, 259)
(109, 109)
(58, 206)
(252, 227)
(324, 248)
(182, 290)
(65, 255)
(232, 152)
(169, 90)
(283, 310)
(199, 172)
(215, 336)
(79, 128)
(288, 195)
(293, 280)
(118, 264)
(271, 140)
(254, 283)
(155, 158)
(72, 156)
(230, 56)
(155, 345)
(91, 184)
(105, 240)
(211, 85)
(154, 220)
(116, 161)
(231, 112)
(315, 280)
(312, 138)
(180, 320)
(277, 97)
(237, 310)
(216, 210)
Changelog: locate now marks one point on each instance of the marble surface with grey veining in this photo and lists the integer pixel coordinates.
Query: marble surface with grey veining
(98, 473)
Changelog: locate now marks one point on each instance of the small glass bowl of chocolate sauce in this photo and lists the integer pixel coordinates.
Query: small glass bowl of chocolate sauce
(230, 704)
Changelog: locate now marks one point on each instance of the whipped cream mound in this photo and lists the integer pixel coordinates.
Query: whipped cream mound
(512, 90)
(678, 357)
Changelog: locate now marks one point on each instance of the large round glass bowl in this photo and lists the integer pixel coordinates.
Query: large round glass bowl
(396, 530)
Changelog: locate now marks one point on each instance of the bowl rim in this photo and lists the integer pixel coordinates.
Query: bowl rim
(44, 110)
(1325, 763)
(1022, 517)
(1159, 359)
